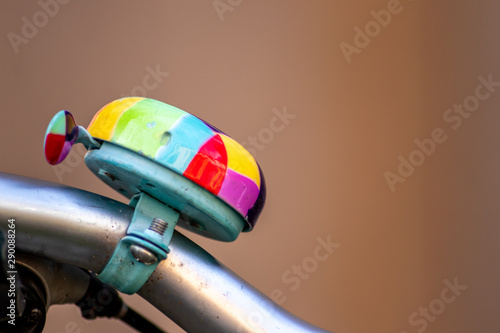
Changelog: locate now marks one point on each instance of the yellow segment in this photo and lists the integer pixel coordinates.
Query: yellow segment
(240, 160)
(104, 122)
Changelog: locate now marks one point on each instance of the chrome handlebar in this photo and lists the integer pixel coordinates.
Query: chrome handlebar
(191, 287)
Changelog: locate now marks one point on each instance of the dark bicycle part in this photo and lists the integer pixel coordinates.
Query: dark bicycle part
(23, 301)
(5, 285)
(102, 300)
(33, 284)
(135, 320)
(30, 316)
(10, 289)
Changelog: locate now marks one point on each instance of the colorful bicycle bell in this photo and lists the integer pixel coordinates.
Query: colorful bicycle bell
(179, 143)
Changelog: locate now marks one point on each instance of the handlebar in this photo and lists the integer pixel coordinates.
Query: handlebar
(76, 227)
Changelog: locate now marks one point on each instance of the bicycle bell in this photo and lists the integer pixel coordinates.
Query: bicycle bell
(141, 145)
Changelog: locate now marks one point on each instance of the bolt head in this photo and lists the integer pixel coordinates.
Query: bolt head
(143, 255)
(34, 316)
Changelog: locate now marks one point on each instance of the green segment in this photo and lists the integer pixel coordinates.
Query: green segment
(143, 127)
(58, 124)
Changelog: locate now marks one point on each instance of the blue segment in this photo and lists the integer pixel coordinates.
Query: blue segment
(187, 135)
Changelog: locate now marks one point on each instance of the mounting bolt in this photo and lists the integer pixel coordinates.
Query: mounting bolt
(143, 255)
(34, 316)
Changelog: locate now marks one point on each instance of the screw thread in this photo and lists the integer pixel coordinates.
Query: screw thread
(158, 225)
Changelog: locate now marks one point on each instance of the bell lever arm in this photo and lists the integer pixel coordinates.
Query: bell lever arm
(86, 139)
(62, 133)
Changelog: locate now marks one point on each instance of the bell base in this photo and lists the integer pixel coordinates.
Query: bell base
(130, 173)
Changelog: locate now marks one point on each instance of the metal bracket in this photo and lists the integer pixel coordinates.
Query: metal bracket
(145, 245)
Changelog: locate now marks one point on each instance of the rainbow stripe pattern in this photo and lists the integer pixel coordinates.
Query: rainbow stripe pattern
(187, 145)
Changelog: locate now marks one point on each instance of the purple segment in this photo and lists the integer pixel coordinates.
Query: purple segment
(239, 191)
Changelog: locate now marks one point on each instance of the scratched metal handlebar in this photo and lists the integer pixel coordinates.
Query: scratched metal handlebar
(191, 287)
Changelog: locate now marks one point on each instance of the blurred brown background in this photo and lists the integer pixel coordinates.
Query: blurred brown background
(360, 100)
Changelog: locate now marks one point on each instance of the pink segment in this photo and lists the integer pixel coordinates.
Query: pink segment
(239, 191)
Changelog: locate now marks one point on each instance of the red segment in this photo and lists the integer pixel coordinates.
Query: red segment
(209, 165)
(54, 144)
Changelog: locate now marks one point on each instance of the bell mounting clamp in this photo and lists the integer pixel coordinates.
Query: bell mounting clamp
(145, 245)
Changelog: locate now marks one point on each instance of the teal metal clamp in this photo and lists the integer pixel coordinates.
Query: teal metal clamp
(145, 245)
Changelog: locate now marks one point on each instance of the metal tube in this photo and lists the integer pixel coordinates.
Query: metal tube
(60, 223)
(191, 287)
(212, 297)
